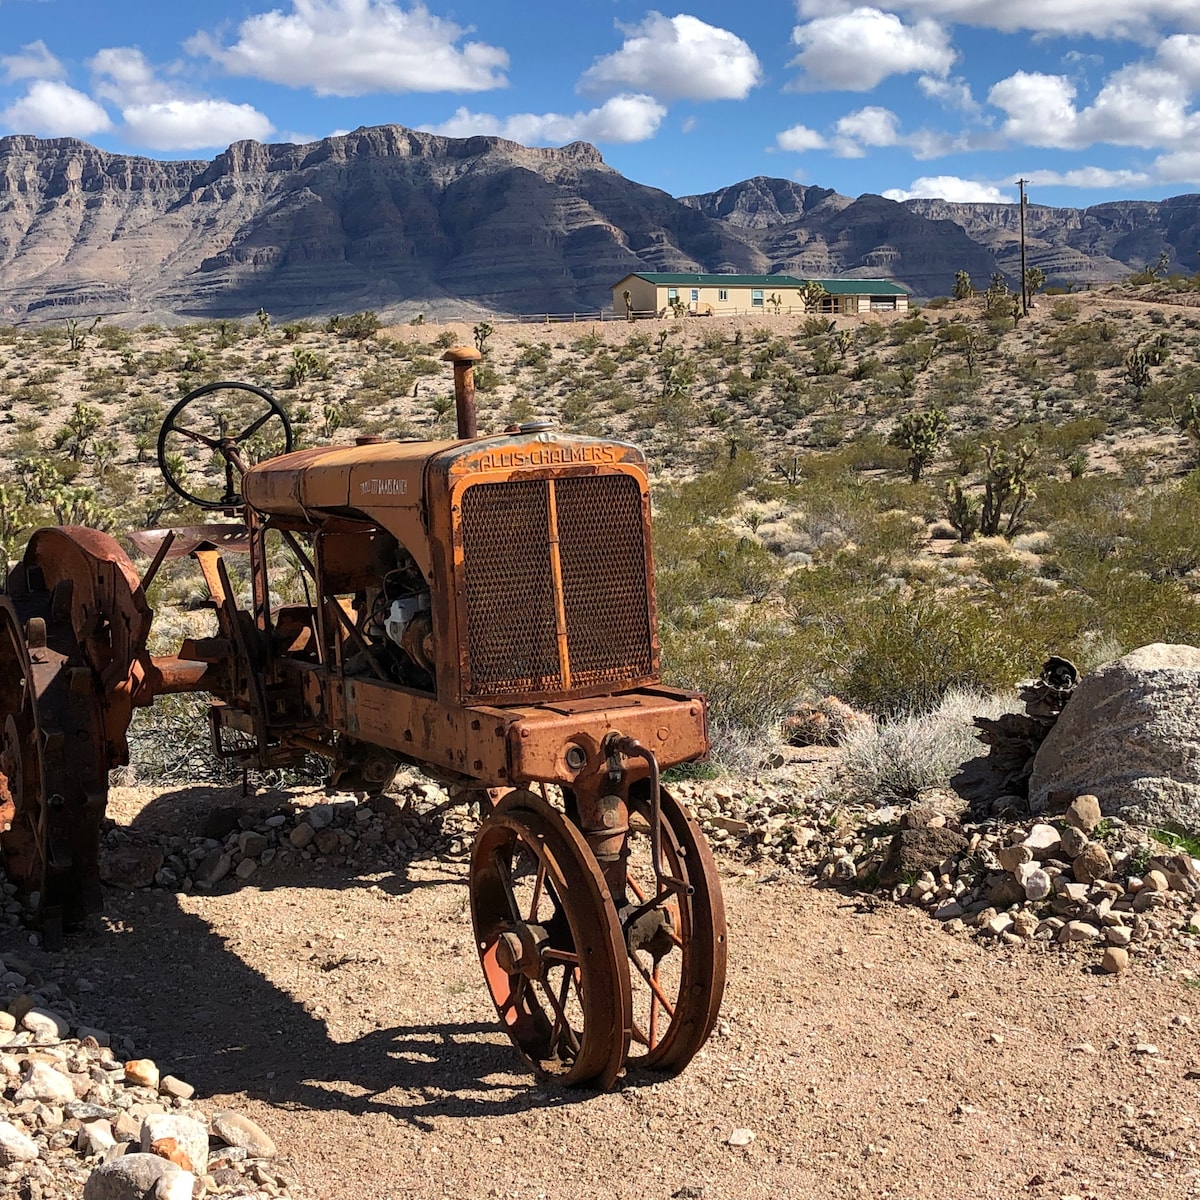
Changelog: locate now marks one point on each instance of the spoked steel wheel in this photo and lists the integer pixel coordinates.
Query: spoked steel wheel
(549, 942)
(21, 815)
(53, 757)
(675, 939)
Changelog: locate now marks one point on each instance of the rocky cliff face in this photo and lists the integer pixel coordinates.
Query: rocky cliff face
(392, 219)
(372, 219)
(1104, 242)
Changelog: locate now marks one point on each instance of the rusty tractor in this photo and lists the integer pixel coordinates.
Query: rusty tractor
(481, 608)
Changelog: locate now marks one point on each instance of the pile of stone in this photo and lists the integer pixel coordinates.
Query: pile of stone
(77, 1119)
(235, 844)
(1071, 881)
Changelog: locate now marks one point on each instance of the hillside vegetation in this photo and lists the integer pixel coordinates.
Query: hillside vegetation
(880, 508)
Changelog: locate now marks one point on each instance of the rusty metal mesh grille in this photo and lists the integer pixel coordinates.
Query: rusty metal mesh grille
(603, 552)
(509, 583)
(511, 642)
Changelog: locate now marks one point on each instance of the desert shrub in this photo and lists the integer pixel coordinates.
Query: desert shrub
(752, 673)
(897, 758)
(894, 654)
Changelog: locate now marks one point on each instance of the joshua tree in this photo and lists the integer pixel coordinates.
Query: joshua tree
(482, 332)
(1137, 371)
(919, 434)
(962, 286)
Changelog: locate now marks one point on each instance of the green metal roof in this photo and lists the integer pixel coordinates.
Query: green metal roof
(835, 287)
(861, 287)
(679, 279)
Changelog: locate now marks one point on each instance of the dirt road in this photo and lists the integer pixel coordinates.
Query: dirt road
(870, 1053)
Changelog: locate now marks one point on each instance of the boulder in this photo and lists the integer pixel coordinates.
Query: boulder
(1130, 736)
(915, 850)
(137, 1176)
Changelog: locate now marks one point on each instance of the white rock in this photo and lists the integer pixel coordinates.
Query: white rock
(1078, 931)
(1043, 840)
(136, 1177)
(46, 1026)
(740, 1137)
(1037, 885)
(44, 1083)
(96, 1137)
(15, 1145)
(236, 1130)
(188, 1134)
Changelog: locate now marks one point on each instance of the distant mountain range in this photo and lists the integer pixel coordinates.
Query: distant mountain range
(395, 220)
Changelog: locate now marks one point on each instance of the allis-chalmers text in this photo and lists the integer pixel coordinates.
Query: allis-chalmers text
(546, 456)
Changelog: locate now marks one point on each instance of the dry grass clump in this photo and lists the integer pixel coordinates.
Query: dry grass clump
(899, 757)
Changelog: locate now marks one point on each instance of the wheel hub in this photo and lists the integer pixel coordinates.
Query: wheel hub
(519, 951)
(651, 932)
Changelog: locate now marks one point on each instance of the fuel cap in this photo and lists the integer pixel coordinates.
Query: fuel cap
(536, 426)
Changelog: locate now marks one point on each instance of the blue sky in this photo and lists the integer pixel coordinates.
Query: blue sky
(1091, 100)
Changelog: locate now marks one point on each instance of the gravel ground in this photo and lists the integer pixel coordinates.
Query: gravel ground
(869, 1052)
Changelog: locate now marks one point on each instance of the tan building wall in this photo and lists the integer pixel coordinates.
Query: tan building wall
(647, 297)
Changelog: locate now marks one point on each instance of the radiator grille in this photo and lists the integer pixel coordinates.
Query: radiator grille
(604, 578)
(512, 643)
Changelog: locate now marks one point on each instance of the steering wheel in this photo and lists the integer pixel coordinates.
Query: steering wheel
(184, 452)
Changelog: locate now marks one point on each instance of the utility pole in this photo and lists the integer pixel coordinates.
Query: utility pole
(1024, 285)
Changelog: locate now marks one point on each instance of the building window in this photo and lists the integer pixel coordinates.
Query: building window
(672, 294)
(722, 293)
(883, 303)
(695, 295)
(756, 298)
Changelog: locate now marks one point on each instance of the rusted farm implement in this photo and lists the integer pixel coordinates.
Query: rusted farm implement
(481, 608)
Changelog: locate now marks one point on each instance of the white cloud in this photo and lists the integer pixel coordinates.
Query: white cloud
(621, 119)
(1180, 166)
(1142, 104)
(870, 126)
(954, 94)
(162, 114)
(1116, 18)
(356, 47)
(51, 109)
(857, 50)
(193, 124)
(677, 58)
(951, 188)
(33, 62)
(800, 138)
(1089, 177)
(122, 75)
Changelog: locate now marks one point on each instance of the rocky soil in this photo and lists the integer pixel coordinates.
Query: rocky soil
(308, 966)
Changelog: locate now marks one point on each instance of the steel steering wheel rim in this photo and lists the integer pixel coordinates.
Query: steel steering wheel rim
(275, 410)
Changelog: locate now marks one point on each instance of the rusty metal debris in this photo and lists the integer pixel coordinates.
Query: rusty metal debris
(481, 608)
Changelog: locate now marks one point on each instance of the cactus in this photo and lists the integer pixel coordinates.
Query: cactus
(1005, 488)
(962, 511)
(919, 434)
(1137, 371)
(1188, 418)
(80, 428)
(1035, 277)
(962, 286)
(482, 333)
(811, 295)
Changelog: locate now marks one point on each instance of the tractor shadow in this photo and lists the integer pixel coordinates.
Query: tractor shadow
(160, 974)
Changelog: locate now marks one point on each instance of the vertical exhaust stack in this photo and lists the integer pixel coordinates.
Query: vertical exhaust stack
(463, 359)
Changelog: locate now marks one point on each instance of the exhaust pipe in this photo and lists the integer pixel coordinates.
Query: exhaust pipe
(464, 358)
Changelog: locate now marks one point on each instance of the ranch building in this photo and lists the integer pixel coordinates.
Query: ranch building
(655, 294)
